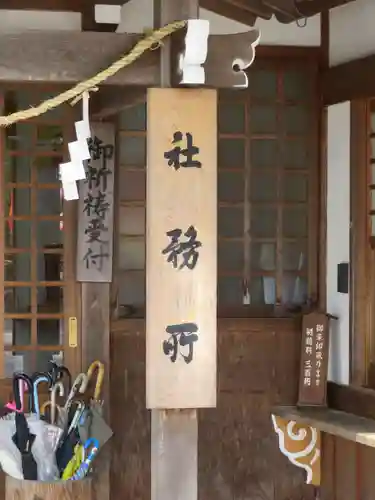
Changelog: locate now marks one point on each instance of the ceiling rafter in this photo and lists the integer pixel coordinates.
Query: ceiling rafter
(286, 11)
(291, 10)
(256, 7)
(223, 8)
(244, 11)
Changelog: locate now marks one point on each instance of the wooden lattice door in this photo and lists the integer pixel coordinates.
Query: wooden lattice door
(37, 241)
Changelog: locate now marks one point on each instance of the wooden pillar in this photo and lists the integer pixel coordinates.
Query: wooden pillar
(177, 199)
(181, 280)
(94, 270)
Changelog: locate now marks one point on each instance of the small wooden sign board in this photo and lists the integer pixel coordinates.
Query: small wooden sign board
(314, 359)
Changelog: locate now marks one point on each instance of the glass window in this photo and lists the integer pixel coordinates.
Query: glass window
(266, 176)
(34, 286)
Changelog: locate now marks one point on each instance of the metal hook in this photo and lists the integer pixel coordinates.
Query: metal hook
(63, 370)
(54, 371)
(301, 23)
(96, 365)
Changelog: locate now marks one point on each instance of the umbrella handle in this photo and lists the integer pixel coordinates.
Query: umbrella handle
(54, 407)
(37, 381)
(79, 385)
(77, 415)
(96, 365)
(20, 382)
(57, 388)
(86, 464)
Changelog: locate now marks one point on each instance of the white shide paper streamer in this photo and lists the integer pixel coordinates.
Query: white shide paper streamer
(74, 170)
(196, 46)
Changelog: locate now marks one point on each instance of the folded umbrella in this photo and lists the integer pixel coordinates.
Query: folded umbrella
(24, 441)
(70, 439)
(23, 438)
(92, 424)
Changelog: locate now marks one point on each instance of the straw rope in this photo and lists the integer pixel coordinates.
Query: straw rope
(147, 43)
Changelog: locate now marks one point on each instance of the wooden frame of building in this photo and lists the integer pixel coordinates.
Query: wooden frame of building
(272, 201)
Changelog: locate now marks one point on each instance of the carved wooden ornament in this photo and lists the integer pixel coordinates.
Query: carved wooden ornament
(216, 61)
(301, 445)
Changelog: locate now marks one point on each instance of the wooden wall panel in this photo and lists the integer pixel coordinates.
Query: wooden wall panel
(328, 467)
(239, 456)
(345, 470)
(365, 473)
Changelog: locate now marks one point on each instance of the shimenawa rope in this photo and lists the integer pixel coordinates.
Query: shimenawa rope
(140, 48)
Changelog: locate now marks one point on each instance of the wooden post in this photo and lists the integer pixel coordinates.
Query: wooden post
(16, 489)
(181, 281)
(94, 269)
(174, 433)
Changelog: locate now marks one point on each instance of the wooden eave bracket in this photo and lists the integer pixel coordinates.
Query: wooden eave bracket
(299, 432)
(301, 444)
(68, 58)
(228, 57)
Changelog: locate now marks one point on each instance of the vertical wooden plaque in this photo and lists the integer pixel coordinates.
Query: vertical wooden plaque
(181, 274)
(314, 360)
(95, 208)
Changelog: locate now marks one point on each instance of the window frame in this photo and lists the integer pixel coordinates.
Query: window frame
(280, 57)
(314, 211)
(70, 296)
(362, 259)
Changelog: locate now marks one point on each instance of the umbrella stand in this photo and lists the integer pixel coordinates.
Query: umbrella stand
(16, 489)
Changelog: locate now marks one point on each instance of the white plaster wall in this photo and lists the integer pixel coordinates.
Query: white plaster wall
(338, 236)
(352, 33)
(16, 20)
(138, 15)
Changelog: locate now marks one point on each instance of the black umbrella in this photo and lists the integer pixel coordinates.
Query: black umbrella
(23, 439)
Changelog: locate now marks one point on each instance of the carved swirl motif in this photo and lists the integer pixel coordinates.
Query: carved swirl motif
(241, 64)
(301, 445)
(218, 61)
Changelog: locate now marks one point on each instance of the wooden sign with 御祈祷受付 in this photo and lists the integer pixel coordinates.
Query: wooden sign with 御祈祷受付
(314, 360)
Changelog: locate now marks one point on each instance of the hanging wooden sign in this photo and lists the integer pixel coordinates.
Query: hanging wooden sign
(95, 208)
(181, 278)
(314, 360)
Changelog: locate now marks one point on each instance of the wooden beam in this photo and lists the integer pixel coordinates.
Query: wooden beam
(55, 5)
(311, 7)
(287, 11)
(223, 8)
(349, 81)
(256, 7)
(110, 101)
(68, 57)
(89, 23)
